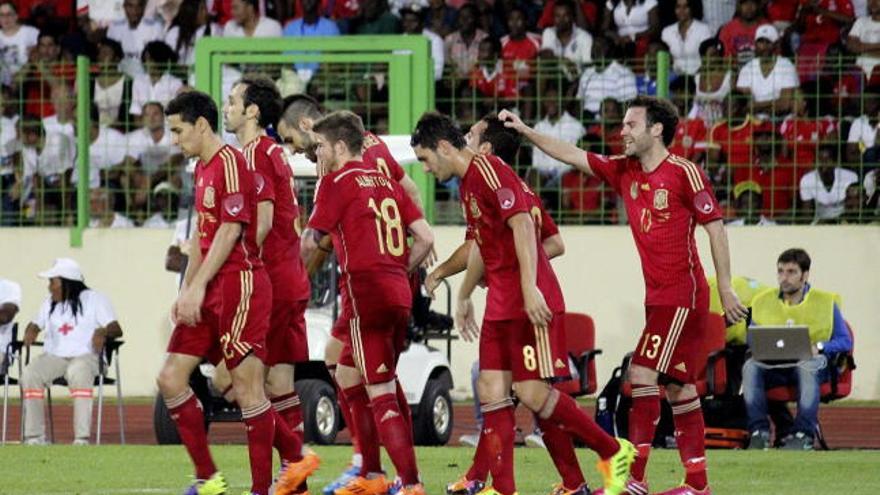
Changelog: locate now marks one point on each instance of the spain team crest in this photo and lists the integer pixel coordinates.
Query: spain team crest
(208, 198)
(661, 199)
(475, 209)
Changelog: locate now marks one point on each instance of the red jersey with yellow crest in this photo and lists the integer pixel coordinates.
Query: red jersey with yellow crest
(225, 193)
(664, 207)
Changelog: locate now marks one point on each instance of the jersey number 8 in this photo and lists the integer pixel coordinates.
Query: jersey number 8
(388, 216)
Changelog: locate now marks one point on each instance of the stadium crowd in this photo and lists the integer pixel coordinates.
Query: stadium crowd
(779, 97)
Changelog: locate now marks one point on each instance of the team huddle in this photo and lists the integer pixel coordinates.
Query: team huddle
(245, 290)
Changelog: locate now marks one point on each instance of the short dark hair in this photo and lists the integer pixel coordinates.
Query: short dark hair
(434, 126)
(696, 7)
(504, 140)
(710, 43)
(263, 93)
(192, 105)
(658, 111)
(342, 125)
(160, 53)
(298, 106)
(153, 103)
(114, 45)
(565, 3)
(796, 255)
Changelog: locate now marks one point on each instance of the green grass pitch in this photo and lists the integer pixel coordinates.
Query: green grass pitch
(133, 470)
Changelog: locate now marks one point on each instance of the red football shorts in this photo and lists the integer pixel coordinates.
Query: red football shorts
(287, 342)
(375, 342)
(529, 352)
(671, 342)
(235, 320)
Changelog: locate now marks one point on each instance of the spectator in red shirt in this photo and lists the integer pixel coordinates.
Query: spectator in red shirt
(819, 22)
(44, 69)
(489, 78)
(586, 17)
(519, 51)
(691, 133)
(774, 172)
(802, 133)
(738, 35)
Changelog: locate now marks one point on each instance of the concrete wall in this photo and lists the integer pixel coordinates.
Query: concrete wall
(600, 274)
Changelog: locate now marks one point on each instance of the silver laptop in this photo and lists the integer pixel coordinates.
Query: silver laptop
(776, 345)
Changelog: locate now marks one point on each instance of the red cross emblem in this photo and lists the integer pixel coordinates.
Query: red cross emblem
(66, 329)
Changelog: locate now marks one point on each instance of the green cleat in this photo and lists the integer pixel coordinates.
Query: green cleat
(215, 485)
(615, 470)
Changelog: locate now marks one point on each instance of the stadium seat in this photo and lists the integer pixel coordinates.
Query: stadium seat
(111, 349)
(9, 354)
(580, 343)
(712, 379)
(837, 387)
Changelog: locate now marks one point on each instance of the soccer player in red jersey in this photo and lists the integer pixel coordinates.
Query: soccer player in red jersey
(300, 114)
(665, 197)
(522, 341)
(223, 308)
(254, 105)
(368, 216)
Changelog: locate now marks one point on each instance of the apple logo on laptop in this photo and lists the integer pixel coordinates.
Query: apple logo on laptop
(780, 344)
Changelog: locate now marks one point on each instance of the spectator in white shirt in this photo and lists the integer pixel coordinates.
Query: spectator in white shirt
(157, 84)
(112, 88)
(607, 78)
(16, 40)
(770, 79)
(10, 303)
(151, 155)
(684, 37)
(134, 33)
(189, 26)
(247, 22)
(102, 206)
(823, 191)
(862, 139)
(77, 322)
(557, 123)
(164, 204)
(411, 21)
(631, 24)
(567, 41)
(864, 39)
(106, 154)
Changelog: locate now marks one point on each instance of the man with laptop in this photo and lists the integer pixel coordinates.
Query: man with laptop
(793, 331)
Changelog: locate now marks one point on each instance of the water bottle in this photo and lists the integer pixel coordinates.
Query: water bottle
(604, 418)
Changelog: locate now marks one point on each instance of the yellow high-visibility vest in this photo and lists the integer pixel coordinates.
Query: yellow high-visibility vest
(746, 289)
(816, 312)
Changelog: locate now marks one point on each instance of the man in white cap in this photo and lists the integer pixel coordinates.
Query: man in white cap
(771, 80)
(77, 322)
(10, 303)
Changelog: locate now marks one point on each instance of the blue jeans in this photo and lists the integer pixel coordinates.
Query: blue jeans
(806, 375)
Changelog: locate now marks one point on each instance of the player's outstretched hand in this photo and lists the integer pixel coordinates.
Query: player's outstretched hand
(189, 305)
(464, 320)
(734, 310)
(536, 307)
(512, 121)
(432, 281)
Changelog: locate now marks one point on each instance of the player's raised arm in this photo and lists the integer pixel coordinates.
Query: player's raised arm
(734, 310)
(556, 148)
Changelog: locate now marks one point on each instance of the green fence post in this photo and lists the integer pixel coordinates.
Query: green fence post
(83, 102)
(663, 75)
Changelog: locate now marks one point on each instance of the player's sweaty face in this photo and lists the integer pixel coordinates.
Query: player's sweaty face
(636, 136)
(233, 110)
(183, 135)
(474, 135)
(790, 277)
(432, 163)
(326, 154)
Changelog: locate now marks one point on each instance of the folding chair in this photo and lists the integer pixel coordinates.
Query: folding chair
(111, 348)
(580, 343)
(8, 357)
(839, 386)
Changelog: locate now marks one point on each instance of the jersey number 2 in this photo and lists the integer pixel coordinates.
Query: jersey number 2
(388, 220)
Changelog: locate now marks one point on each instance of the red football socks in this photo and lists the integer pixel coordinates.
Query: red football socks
(690, 436)
(561, 450)
(575, 421)
(499, 424)
(362, 418)
(392, 427)
(186, 411)
(260, 423)
(643, 416)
